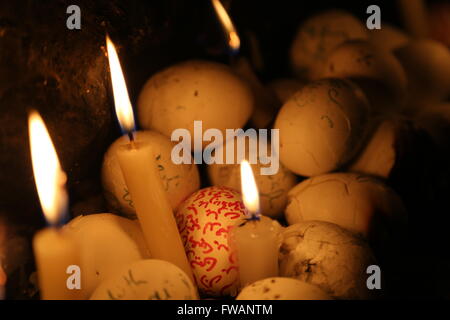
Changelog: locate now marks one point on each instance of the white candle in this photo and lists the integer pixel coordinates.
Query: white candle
(54, 250)
(257, 240)
(143, 181)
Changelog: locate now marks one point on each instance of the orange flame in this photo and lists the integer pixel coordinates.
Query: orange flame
(233, 38)
(124, 110)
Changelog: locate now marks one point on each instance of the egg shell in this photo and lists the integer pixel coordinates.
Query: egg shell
(147, 280)
(204, 221)
(195, 90)
(278, 288)
(359, 203)
(273, 189)
(389, 37)
(179, 180)
(107, 243)
(427, 65)
(318, 36)
(328, 256)
(322, 126)
(377, 71)
(285, 88)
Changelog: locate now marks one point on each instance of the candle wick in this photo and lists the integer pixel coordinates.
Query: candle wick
(131, 137)
(254, 217)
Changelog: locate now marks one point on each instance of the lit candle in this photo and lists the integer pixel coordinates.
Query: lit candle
(144, 184)
(54, 251)
(266, 101)
(257, 240)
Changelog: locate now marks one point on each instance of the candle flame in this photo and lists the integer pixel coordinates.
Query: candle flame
(233, 38)
(49, 177)
(124, 110)
(249, 189)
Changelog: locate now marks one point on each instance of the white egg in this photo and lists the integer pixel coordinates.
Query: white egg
(278, 288)
(322, 126)
(328, 256)
(377, 71)
(318, 36)
(356, 202)
(273, 188)
(205, 220)
(179, 181)
(147, 280)
(107, 243)
(195, 90)
(427, 64)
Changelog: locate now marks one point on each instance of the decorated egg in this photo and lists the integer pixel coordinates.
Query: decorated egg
(195, 90)
(376, 70)
(359, 203)
(273, 188)
(204, 221)
(427, 65)
(328, 256)
(278, 288)
(147, 280)
(318, 36)
(322, 126)
(179, 180)
(107, 242)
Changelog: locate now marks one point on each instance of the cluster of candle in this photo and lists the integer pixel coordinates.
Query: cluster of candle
(215, 241)
(56, 249)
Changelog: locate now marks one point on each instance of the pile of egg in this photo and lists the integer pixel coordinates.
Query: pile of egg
(341, 118)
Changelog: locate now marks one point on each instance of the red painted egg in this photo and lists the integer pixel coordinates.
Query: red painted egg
(205, 220)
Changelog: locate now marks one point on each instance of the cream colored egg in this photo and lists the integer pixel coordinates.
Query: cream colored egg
(195, 90)
(389, 37)
(285, 88)
(179, 180)
(377, 71)
(359, 203)
(328, 256)
(322, 126)
(107, 243)
(318, 36)
(147, 280)
(427, 64)
(205, 220)
(273, 188)
(278, 288)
